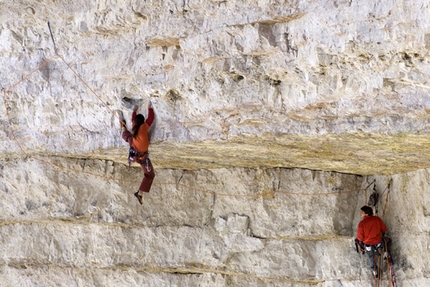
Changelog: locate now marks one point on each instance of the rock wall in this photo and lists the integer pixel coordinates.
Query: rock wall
(224, 227)
(320, 73)
(274, 122)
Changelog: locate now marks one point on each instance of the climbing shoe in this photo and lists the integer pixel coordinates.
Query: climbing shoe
(139, 197)
(375, 273)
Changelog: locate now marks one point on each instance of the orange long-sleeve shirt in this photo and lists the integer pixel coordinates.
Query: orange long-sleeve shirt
(141, 141)
(370, 230)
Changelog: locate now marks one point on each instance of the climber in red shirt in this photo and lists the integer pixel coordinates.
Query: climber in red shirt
(138, 139)
(370, 231)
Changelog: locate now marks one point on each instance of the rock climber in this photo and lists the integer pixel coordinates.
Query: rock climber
(369, 235)
(138, 139)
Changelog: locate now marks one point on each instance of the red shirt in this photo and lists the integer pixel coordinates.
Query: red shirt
(141, 141)
(370, 230)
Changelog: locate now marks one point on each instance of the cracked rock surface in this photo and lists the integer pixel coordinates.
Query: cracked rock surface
(274, 122)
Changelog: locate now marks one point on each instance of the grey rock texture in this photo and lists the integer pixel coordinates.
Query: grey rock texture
(318, 80)
(222, 227)
(274, 122)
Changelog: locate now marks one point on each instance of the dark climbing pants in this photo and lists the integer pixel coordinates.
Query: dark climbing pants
(148, 177)
(373, 255)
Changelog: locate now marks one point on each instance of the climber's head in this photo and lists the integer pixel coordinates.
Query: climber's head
(366, 211)
(139, 119)
(137, 122)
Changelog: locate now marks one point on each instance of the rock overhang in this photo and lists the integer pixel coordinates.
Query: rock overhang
(279, 86)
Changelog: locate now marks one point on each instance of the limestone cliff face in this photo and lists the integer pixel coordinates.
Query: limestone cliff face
(223, 227)
(274, 122)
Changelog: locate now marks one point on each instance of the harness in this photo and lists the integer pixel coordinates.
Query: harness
(374, 248)
(136, 156)
(360, 245)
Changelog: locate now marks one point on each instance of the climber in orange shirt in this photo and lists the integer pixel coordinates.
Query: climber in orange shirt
(138, 139)
(370, 231)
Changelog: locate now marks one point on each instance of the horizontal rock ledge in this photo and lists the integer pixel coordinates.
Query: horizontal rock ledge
(351, 153)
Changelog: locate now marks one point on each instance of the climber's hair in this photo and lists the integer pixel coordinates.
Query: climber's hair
(138, 121)
(368, 210)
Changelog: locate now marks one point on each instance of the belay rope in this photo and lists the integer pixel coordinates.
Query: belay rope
(389, 260)
(378, 259)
